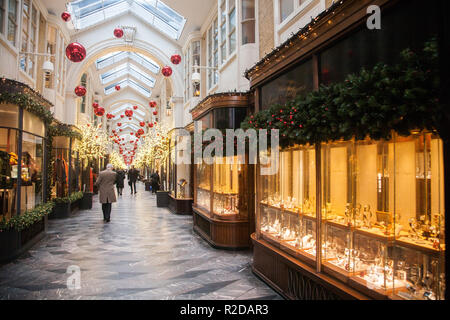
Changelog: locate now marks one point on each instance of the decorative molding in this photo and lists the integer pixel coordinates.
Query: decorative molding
(221, 100)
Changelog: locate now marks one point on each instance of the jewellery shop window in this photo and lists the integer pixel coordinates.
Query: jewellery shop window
(172, 170)
(287, 216)
(230, 186)
(75, 170)
(203, 173)
(382, 214)
(60, 155)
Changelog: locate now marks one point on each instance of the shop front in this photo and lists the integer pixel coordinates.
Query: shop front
(179, 176)
(24, 117)
(223, 206)
(356, 208)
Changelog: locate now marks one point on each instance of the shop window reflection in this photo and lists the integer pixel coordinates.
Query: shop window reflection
(8, 172)
(31, 175)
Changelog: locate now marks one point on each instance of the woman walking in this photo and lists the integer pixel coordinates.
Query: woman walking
(105, 183)
(120, 181)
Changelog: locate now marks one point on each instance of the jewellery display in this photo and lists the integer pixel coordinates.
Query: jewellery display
(382, 215)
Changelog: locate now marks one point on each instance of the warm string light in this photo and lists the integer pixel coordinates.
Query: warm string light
(155, 147)
(94, 142)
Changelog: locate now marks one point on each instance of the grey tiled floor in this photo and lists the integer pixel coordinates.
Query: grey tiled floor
(145, 252)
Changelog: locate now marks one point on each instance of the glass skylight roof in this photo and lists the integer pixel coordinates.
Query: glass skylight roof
(115, 57)
(86, 13)
(128, 83)
(127, 69)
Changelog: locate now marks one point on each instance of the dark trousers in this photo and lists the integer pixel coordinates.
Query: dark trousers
(155, 187)
(106, 207)
(119, 190)
(133, 183)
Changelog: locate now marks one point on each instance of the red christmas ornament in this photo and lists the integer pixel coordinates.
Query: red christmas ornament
(129, 118)
(167, 71)
(122, 116)
(135, 107)
(95, 105)
(100, 112)
(142, 124)
(80, 91)
(75, 52)
(132, 133)
(119, 124)
(66, 16)
(129, 113)
(150, 125)
(152, 104)
(118, 33)
(120, 130)
(141, 131)
(155, 113)
(176, 59)
(117, 88)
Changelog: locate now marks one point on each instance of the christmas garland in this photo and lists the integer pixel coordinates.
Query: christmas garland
(62, 130)
(27, 103)
(24, 221)
(371, 104)
(75, 196)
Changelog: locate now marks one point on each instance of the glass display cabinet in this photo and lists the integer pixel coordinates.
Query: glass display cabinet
(382, 213)
(223, 207)
(287, 212)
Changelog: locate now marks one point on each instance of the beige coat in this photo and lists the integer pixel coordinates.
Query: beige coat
(105, 183)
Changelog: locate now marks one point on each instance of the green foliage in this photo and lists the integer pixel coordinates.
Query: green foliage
(30, 217)
(371, 104)
(27, 103)
(75, 196)
(62, 130)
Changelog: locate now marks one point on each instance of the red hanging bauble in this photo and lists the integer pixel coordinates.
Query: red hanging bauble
(95, 105)
(167, 71)
(141, 131)
(155, 113)
(176, 59)
(150, 125)
(132, 133)
(75, 52)
(118, 33)
(119, 124)
(120, 130)
(122, 116)
(142, 124)
(117, 88)
(135, 107)
(129, 113)
(100, 112)
(129, 118)
(66, 16)
(153, 104)
(80, 91)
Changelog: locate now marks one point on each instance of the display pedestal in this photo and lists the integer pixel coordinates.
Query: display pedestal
(180, 206)
(295, 280)
(162, 199)
(60, 211)
(222, 234)
(86, 201)
(14, 243)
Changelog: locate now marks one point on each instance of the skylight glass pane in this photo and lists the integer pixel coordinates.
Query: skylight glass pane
(86, 13)
(136, 86)
(114, 73)
(144, 61)
(142, 76)
(112, 87)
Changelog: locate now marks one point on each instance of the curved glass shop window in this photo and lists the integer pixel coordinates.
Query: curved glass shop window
(60, 177)
(203, 173)
(229, 118)
(32, 164)
(230, 186)
(297, 81)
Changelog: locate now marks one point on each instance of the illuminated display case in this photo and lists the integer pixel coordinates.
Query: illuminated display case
(381, 219)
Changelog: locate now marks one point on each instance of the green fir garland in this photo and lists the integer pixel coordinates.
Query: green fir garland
(75, 196)
(26, 220)
(373, 103)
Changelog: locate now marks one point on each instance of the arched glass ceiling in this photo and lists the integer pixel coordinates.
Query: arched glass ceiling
(114, 57)
(127, 69)
(86, 13)
(128, 82)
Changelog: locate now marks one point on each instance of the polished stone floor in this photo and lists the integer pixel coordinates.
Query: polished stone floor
(145, 252)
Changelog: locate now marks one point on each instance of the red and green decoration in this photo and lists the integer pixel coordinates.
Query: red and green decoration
(129, 113)
(373, 103)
